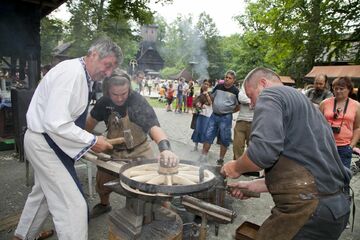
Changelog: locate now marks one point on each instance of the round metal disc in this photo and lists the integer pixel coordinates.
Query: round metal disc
(143, 175)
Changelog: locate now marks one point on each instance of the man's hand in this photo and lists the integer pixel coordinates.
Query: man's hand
(101, 145)
(229, 169)
(257, 186)
(168, 158)
(235, 189)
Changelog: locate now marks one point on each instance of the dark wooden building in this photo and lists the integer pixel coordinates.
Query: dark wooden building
(148, 58)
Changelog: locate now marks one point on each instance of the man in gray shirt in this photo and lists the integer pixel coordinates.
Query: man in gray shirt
(303, 171)
(225, 103)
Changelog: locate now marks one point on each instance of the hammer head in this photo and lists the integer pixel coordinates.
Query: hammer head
(129, 140)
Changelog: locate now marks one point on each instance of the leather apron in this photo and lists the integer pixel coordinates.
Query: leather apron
(142, 150)
(116, 127)
(294, 192)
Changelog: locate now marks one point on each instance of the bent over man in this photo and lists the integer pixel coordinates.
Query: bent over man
(303, 171)
(55, 139)
(123, 109)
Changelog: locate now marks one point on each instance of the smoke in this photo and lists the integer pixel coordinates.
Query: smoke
(195, 45)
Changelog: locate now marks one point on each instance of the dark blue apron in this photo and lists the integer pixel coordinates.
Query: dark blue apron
(65, 159)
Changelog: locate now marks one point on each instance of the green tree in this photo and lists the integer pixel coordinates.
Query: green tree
(91, 19)
(209, 32)
(299, 33)
(51, 32)
(177, 47)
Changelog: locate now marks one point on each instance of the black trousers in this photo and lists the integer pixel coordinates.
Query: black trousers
(328, 221)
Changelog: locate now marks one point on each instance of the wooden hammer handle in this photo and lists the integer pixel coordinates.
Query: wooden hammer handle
(114, 141)
(245, 191)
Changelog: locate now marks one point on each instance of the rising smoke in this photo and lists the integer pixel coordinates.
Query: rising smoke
(195, 43)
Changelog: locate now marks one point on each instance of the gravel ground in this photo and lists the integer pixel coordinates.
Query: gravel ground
(14, 189)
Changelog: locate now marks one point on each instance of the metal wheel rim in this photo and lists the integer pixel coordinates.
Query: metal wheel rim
(174, 189)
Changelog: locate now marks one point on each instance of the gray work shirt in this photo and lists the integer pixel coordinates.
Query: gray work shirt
(286, 123)
(225, 99)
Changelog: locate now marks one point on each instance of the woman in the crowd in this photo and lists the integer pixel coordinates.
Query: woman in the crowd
(190, 95)
(203, 109)
(343, 115)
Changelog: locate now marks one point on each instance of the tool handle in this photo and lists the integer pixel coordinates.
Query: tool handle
(245, 191)
(90, 156)
(114, 141)
(101, 156)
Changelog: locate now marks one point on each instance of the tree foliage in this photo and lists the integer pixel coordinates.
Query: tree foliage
(91, 19)
(289, 36)
(52, 31)
(195, 46)
(301, 33)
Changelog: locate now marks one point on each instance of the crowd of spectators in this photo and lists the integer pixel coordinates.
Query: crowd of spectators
(210, 110)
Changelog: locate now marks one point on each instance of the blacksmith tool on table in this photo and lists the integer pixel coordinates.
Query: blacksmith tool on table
(207, 211)
(221, 187)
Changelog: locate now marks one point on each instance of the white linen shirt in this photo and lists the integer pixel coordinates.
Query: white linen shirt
(60, 98)
(246, 113)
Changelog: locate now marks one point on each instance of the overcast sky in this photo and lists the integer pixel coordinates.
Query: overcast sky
(221, 11)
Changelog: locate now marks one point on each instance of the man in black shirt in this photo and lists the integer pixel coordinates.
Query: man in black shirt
(121, 109)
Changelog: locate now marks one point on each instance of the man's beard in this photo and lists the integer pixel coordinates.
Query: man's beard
(318, 92)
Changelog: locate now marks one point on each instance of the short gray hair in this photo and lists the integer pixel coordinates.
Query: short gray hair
(254, 75)
(104, 47)
(118, 78)
(231, 72)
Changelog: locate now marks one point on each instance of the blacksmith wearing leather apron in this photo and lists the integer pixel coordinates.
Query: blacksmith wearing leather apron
(140, 150)
(292, 141)
(299, 207)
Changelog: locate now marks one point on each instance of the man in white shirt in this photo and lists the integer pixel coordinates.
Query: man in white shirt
(55, 139)
(242, 127)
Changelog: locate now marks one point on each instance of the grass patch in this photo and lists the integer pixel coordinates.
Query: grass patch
(157, 104)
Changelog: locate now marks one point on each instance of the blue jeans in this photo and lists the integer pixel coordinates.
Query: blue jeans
(221, 124)
(345, 153)
(180, 98)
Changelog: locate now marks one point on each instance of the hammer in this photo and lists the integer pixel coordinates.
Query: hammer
(127, 139)
(117, 121)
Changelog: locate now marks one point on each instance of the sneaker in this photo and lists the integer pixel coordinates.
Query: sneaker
(195, 149)
(354, 169)
(348, 225)
(99, 209)
(220, 162)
